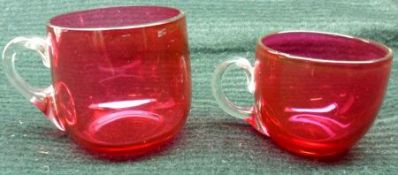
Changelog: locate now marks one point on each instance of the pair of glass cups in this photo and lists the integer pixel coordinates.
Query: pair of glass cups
(121, 82)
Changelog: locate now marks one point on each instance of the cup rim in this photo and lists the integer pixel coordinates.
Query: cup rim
(180, 15)
(386, 57)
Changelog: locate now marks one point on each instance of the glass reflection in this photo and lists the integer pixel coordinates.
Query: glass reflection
(317, 121)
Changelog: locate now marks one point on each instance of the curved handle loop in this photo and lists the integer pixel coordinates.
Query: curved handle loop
(222, 100)
(35, 95)
(40, 97)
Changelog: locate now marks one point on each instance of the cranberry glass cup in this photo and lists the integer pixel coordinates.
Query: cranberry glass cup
(316, 94)
(121, 76)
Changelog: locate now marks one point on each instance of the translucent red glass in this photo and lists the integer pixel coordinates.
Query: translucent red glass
(317, 94)
(121, 91)
(121, 77)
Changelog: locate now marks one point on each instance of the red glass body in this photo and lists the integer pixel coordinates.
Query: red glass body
(318, 108)
(123, 90)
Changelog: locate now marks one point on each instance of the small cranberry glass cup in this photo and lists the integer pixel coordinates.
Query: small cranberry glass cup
(316, 94)
(120, 77)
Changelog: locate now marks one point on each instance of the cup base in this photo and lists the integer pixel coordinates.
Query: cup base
(126, 138)
(126, 152)
(318, 151)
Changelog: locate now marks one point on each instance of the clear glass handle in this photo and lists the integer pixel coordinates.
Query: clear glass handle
(246, 113)
(42, 98)
(221, 99)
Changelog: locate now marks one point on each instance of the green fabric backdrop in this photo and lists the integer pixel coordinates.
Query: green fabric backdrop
(212, 142)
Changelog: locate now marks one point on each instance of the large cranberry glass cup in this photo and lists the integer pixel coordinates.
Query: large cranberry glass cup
(121, 76)
(316, 94)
